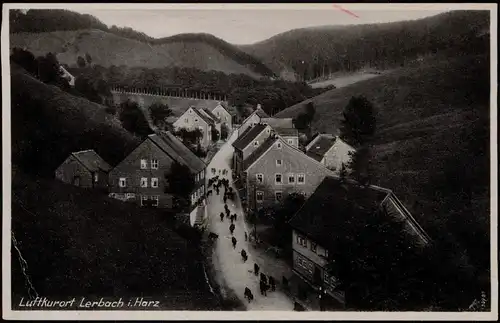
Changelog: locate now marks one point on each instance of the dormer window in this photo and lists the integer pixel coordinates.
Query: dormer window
(255, 143)
(195, 119)
(278, 145)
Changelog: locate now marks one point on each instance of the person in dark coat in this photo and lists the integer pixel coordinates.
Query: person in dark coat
(256, 269)
(225, 198)
(244, 255)
(263, 278)
(222, 217)
(231, 228)
(248, 294)
(272, 283)
(246, 236)
(263, 288)
(233, 240)
(235, 217)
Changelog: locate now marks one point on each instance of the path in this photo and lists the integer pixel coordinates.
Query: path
(234, 273)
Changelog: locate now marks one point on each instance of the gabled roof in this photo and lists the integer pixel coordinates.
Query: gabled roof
(287, 132)
(222, 106)
(285, 123)
(178, 151)
(248, 136)
(91, 160)
(319, 217)
(318, 136)
(320, 148)
(259, 152)
(205, 118)
(261, 113)
(210, 114)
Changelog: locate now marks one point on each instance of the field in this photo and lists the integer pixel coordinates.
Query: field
(344, 80)
(431, 146)
(107, 49)
(77, 242)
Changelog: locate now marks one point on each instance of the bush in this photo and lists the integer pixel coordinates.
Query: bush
(133, 119)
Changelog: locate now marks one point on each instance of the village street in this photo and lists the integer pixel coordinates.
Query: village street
(233, 273)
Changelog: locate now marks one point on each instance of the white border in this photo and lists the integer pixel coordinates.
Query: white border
(215, 315)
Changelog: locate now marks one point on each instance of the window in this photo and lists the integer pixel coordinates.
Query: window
(268, 130)
(154, 182)
(260, 196)
(144, 182)
(96, 177)
(255, 143)
(130, 195)
(277, 179)
(301, 178)
(195, 119)
(326, 253)
(301, 241)
(154, 163)
(313, 247)
(195, 195)
(122, 182)
(144, 164)
(186, 120)
(291, 178)
(279, 162)
(144, 198)
(155, 199)
(202, 174)
(278, 196)
(260, 178)
(278, 145)
(197, 177)
(289, 141)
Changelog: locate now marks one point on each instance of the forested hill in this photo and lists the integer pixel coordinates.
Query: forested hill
(71, 34)
(380, 46)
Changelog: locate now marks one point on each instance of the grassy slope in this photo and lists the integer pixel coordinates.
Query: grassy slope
(107, 49)
(80, 243)
(427, 118)
(45, 118)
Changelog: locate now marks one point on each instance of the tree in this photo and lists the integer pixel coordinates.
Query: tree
(377, 264)
(360, 165)
(224, 131)
(301, 122)
(215, 134)
(359, 121)
(310, 111)
(80, 61)
(25, 59)
(282, 214)
(159, 112)
(133, 118)
(88, 58)
(49, 71)
(180, 181)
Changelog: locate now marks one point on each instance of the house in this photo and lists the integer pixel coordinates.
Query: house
(140, 177)
(253, 119)
(276, 169)
(84, 169)
(289, 135)
(285, 123)
(224, 116)
(331, 151)
(67, 75)
(315, 224)
(197, 118)
(247, 143)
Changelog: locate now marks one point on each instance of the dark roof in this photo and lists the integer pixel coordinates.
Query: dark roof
(210, 114)
(278, 122)
(91, 160)
(248, 136)
(259, 152)
(201, 115)
(287, 131)
(320, 147)
(324, 214)
(178, 151)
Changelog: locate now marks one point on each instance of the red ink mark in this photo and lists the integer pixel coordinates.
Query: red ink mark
(346, 11)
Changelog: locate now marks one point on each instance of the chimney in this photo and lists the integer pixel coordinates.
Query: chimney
(258, 106)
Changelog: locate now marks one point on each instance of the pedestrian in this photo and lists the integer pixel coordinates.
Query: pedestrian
(244, 255)
(256, 269)
(235, 217)
(233, 240)
(248, 294)
(272, 283)
(263, 288)
(231, 228)
(219, 171)
(225, 198)
(263, 278)
(221, 217)
(246, 236)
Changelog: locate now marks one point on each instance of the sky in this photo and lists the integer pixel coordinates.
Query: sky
(244, 26)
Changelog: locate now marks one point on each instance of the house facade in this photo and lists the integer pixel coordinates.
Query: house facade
(193, 119)
(331, 151)
(289, 135)
(247, 143)
(84, 169)
(141, 176)
(277, 169)
(224, 116)
(316, 222)
(252, 119)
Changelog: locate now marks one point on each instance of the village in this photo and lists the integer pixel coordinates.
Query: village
(230, 197)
